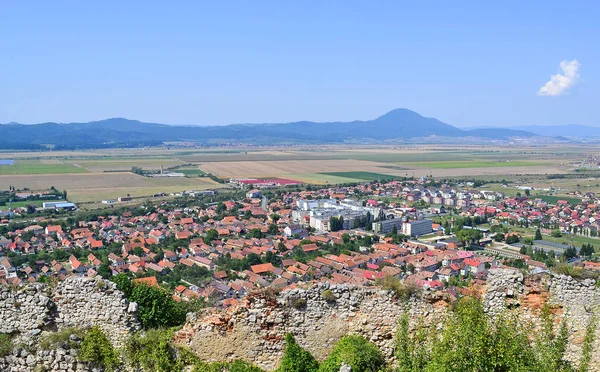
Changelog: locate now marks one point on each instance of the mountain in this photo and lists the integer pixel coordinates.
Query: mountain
(397, 125)
(569, 131)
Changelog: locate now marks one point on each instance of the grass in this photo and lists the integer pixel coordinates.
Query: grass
(554, 199)
(29, 168)
(190, 171)
(25, 203)
(54, 339)
(451, 164)
(322, 178)
(6, 344)
(365, 176)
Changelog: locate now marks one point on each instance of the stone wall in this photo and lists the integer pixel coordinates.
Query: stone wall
(255, 330)
(32, 312)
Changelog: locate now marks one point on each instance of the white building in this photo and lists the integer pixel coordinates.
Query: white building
(417, 228)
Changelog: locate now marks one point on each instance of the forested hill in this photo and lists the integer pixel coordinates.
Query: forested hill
(398, 125)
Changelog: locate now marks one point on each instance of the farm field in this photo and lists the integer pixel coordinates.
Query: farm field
(97, 174)
(451, 164)
(38, 168)
(124, 164)
(95, 186)
(365, 176)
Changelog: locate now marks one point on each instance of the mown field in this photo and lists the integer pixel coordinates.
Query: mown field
(451, 164)
(38, 168)
(95, 174)
(365, 176)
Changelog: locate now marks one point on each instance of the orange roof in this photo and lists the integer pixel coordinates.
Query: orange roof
(149, 281)
(262, 268)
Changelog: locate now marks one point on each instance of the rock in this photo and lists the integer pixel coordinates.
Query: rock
(133, 307)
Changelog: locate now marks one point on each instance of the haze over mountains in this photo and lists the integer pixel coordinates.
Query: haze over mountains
(396, 126)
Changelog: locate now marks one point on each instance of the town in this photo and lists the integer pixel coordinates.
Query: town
(434, 236)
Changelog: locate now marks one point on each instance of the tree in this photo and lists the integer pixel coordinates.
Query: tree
(295, 358)
(104, 271)
(256, 233)
(538, 235)
(346, 238)
(556, 233)
(570, 252)
(586, 250)
(210, 235)
(273, 229)
(124, 284)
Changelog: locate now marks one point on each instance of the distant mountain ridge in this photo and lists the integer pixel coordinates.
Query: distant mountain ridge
(397, 125)
(569, 131)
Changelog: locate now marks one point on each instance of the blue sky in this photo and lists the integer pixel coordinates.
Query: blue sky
(466, 63)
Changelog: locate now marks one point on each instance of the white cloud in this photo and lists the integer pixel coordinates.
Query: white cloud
(560, 84)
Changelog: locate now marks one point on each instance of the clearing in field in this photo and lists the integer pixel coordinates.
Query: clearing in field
(365, 176)
(38, 168)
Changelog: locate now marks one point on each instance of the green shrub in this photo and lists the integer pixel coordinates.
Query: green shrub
(6, 344)
(576, 272)
(52, 340)
(356, 352)
(401, 290)
(235, 366)
(328, 296)
(470, 340)
(157, 308)
(153, 351)
(297, 302)
(97, 350)
(295, 358)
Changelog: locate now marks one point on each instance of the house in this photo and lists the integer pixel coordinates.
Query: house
(53, 229)
(293, 230)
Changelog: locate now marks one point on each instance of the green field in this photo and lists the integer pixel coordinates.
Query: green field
(553, 199)
(25, 203)
(31, 168)
(190, 171)
(365, 176)
(451, 164)
(320, 178)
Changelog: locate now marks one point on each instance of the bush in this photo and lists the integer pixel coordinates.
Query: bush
(470, 340)
(356, 352)
(6, 344)
(235, 366)
(54, 339)
(97, 350)
(157, 308)
(328, 296)
(295, 358)
(153, 351)
(402, 290)
(576, 272)
(297, 302)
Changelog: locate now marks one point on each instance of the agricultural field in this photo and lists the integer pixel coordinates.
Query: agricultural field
(451, 164)
(86, 187)
(124, 164)
(190, 171)
(96, 174)
(365, 176)
(25, 167)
